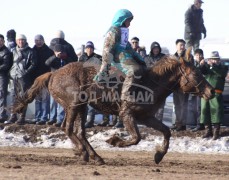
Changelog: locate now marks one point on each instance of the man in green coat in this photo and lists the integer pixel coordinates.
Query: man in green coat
(212, 110)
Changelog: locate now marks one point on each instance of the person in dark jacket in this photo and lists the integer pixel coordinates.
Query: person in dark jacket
(194, 25)
(141, 50)
(154, 56)
(194, 101)
(6, 61)
(11, 39)
(90, 56)
(24, 64)
(58, 60)
(179, 98)
(212, 111)
(68, 48)
(42, 101)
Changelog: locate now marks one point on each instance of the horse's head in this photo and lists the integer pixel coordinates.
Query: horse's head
(192, 80)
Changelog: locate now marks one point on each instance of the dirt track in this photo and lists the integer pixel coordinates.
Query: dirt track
(35, 163)
(40, 163)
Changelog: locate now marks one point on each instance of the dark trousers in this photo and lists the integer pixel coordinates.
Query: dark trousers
(21, 85)
(181, 104)
(3, 95)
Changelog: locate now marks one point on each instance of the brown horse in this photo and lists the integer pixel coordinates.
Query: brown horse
(73, 87)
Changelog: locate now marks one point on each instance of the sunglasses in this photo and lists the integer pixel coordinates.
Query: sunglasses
(134, 42)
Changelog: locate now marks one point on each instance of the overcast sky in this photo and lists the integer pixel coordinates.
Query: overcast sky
(83, 20)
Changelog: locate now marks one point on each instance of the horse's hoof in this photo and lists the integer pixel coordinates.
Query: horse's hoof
(99, 162)
(85, 157)
(158, 157)
(115, 141)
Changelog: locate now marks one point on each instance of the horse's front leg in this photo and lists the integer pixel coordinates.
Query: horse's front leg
(158, 125)
(131, 126)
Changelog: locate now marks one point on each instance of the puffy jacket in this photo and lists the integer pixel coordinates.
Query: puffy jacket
(6, 60)
(85, 57)
(24, 62)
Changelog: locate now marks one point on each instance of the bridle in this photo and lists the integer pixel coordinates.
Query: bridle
(183, 73)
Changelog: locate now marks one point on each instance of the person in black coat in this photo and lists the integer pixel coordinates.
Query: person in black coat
(6, 62)
(194, 25)
(42, 101)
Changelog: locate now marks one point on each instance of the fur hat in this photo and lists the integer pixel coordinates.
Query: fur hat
(21, 36)
(60, 34)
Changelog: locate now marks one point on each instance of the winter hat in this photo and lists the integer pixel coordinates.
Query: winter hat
(21, 36)
(214, 55)
(90, 44)
(58, 48)
(39, 37)
(11, 34)
(60, 34)
(198, 1)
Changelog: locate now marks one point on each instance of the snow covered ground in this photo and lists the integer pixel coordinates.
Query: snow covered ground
(177, 144)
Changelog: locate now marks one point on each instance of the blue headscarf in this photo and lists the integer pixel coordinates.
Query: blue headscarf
(121, 16)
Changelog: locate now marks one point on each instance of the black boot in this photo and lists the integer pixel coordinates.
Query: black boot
(90, 121)
(105, 121)
(199, 127)
(208, 132)
(216, 131)
(12, 119)
(114, 120)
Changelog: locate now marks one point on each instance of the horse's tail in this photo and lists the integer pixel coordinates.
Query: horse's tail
(23, 100)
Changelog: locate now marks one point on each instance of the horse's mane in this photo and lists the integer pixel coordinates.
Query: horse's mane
(167, 64)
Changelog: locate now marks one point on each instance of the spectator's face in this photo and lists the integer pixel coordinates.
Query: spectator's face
(198, 5)
(134, 44)
(89, 51)
(2, 42)
(199, 57)
(180, 47)
(39, 43)
(155, 51)
(21, 43)
(215, 61)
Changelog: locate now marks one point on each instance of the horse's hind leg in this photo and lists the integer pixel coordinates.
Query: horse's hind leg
(158, 125)
(79, 132)
(68, 125)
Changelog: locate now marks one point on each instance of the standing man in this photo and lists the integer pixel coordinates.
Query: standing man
(194, 101)
(42, 100)
(179, 98)
(24, 63)
(212, 111)
(137, 48)
(6, 61)
(194, 25)
(11, 39)
(154, 56)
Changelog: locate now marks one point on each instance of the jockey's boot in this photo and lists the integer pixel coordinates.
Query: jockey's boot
(105, 121)
(114, 120)
(208, 132)
(12, 119)
(216, 131)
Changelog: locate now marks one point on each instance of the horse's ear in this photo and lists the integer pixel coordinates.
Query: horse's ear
(188, 55)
